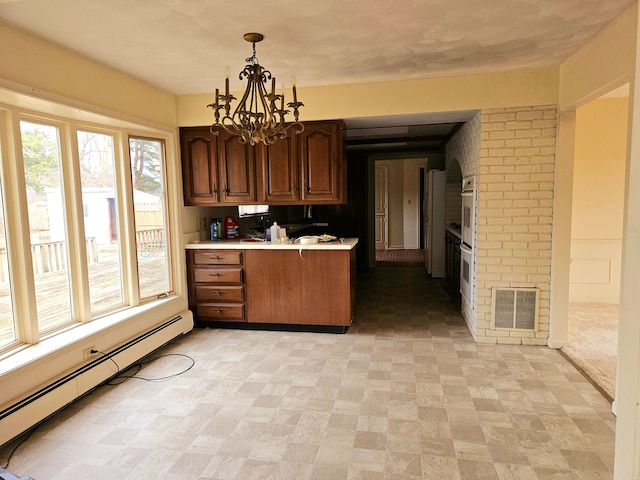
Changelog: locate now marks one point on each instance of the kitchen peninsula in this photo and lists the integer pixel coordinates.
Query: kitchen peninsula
(265, 283)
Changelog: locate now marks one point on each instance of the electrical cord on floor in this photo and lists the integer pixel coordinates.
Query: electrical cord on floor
(109, 357)
(27, 435)
(138, 366)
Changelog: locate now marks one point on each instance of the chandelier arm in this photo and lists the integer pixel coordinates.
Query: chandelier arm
(256, 117)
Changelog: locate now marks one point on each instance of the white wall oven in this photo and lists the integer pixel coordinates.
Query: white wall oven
(468, 210)
(468, 236)
(466, 273)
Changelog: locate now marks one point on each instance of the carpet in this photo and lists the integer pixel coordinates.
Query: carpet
(401, 258)
(593, 343)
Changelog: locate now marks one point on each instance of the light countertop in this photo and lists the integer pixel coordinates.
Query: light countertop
(250, 244)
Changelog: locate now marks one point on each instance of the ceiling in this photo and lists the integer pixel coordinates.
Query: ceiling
(183, 46)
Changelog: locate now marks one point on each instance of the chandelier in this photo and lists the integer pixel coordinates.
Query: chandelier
(259, 116)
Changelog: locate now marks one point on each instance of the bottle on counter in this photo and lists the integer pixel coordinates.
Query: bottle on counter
(232, 228)
(273, 232)
(214, 230)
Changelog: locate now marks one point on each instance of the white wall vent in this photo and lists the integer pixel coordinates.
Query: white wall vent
(514, 308)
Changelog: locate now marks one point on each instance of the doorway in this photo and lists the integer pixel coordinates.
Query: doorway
(596, 237)
(398, 209)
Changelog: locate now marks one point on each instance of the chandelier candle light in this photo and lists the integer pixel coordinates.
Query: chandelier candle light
(257, 117)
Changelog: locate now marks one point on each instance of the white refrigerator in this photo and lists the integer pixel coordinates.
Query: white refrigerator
(435, 223)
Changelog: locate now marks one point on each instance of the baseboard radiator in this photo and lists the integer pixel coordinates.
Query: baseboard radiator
(29, 411)
(514, 308)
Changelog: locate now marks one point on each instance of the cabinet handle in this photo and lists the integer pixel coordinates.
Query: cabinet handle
(219, 292)
(217, 274)
(295, 188)
(215, 189)
(219, 310)
(217, 257)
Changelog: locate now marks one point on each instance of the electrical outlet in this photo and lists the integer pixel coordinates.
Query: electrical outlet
(86, 353)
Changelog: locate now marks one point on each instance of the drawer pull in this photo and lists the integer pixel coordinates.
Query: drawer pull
(217, 257)
(219, 292)
(217, 274)
(219, 310)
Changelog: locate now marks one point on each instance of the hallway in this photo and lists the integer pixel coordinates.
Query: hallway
(405, 394)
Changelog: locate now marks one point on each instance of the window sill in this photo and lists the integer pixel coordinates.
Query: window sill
(91, 334)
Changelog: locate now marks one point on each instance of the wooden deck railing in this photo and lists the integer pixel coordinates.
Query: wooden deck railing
(51, 256)
(150, 240)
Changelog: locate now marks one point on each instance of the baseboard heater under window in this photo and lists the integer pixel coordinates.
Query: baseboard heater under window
(74, 384)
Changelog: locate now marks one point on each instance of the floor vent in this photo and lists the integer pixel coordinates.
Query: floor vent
(515, 308)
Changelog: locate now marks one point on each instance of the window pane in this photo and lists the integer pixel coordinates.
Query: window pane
(7, 325)
(147, 167)
(41, 152)
(100, 220)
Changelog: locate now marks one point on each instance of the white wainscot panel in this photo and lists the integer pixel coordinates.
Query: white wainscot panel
(595, 271)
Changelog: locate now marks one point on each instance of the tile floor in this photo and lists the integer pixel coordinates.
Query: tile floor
(404, 394)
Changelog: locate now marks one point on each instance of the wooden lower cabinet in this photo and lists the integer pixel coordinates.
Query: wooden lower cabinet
(271, 286)
(311, 287)
(216, 285)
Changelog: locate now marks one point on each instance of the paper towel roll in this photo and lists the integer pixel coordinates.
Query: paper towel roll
(308, 240)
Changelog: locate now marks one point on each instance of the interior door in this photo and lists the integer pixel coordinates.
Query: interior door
(381, 210)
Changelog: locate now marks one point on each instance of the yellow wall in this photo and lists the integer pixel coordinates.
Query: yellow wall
(598, 201)
(604, 63)
(599, 169)
(49, 69)
(444, 94)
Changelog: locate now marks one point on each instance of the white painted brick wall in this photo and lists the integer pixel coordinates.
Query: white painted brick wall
(514, 213)
(453, 200)
(464, 148)
(453, 203)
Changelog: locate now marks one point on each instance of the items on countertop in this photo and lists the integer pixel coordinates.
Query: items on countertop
(216, 229)
(232, 228)
(277, 234)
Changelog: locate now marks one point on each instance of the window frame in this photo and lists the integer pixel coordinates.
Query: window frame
(165, 215)
(26, 329)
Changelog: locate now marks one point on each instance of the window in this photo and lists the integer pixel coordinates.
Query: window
(101, 228)
(47, 226)
(252, 210)
(89, 228)
(7, 325)
(147, 178)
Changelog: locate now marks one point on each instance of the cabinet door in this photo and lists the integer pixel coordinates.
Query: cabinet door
(279, 165)
(273, 286)
(237, 166)
(323, 163)
(199, 152)
(315, 288)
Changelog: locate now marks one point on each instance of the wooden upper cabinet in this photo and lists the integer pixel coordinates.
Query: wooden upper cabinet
(305, 168)
(199, 149)
(280, 168)
(323, 162)
(237, 169)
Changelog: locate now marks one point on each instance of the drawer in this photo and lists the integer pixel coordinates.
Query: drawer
(221, 311)
(217, 257)
(217, 275)
(223, 293)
